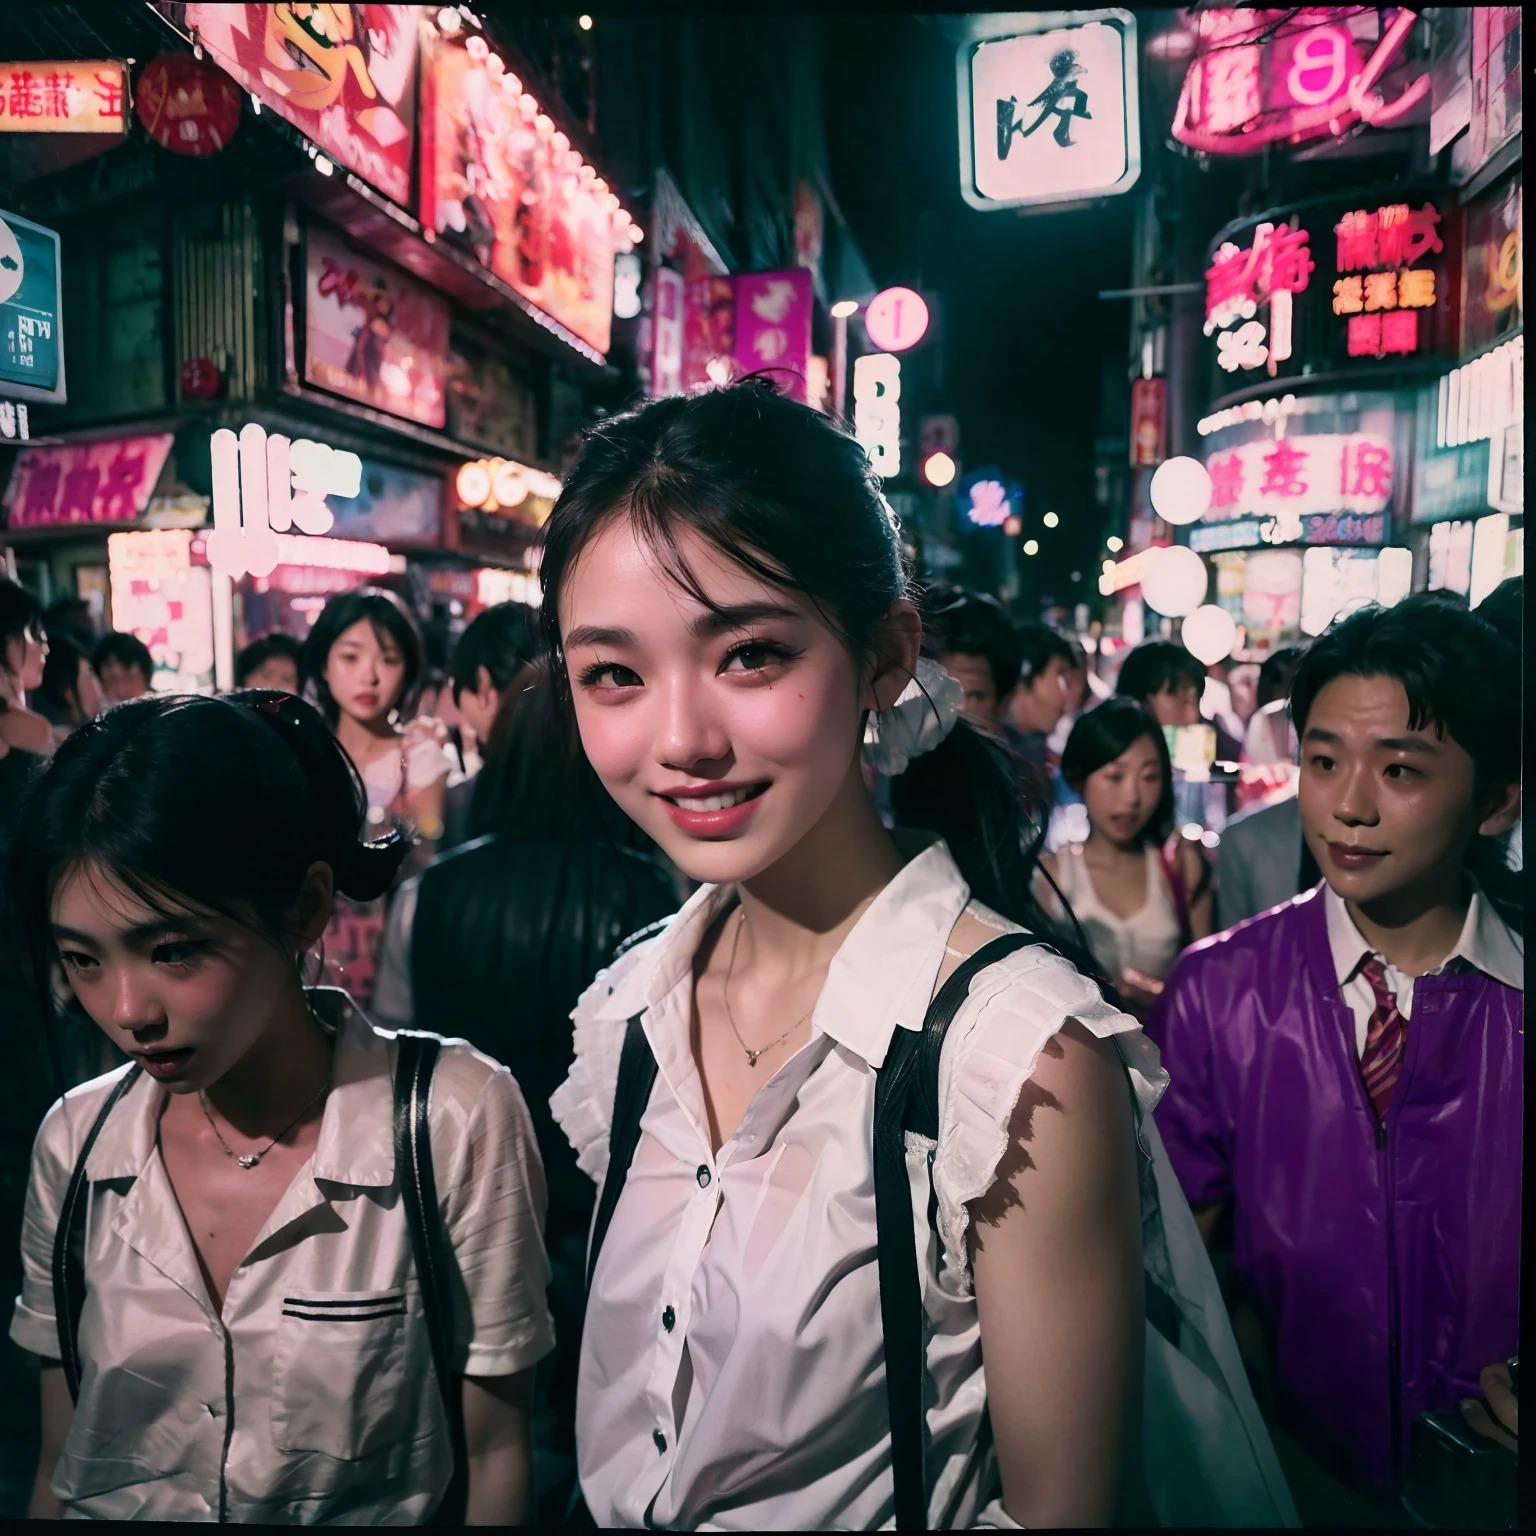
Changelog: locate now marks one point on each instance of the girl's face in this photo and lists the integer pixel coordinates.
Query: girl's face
(187, 997)
(1121, 796)
(24, 657)
(365, 672)
(725, 736)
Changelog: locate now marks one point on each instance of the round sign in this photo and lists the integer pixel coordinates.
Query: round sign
(186, 104)
(1181, 490)
(896, 319)
(1175, 581)
(200, 378)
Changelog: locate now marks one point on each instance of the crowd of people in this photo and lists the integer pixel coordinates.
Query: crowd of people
(821, 992)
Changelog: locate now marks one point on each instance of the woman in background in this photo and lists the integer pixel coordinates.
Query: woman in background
(1139, 905)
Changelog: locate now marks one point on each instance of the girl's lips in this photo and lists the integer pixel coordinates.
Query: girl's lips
(1346, 857)
(728, 809)
(165, 1064)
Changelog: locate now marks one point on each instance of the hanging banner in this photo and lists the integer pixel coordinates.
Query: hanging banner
(498, 180)
(1149, 422)
(78, 96)
(1048, 113)
(31, 323)
(372, 333)
(773, 327)
(343, 75)
(84, 483)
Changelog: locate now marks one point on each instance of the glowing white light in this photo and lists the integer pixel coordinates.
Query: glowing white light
(1394, 571)
(584, 22)
(473, 483)
(1174, 582)
(627, 276)
(1114, 542)
(1209, 634)
(877, 410)
(544, 125)
(844, 308)
(938, 469)
(559, 143)
(896, 319)
(334, 554)
(1050, 520)
(1109, 567)
(1031, 546)
(449, 22)
(323, 165)
(636, 234)
(1181, 490)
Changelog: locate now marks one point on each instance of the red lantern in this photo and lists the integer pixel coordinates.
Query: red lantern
(200, 379)
(187, 105)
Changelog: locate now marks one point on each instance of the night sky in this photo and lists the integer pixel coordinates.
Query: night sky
(1025, 337)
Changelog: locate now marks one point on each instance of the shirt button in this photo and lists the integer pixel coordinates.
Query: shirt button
(668, 1319)
(702, 1176)
(661, 1441)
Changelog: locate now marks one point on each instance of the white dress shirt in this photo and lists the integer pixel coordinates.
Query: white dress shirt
(732, 1370)
(1487, 943)
(310, 1395)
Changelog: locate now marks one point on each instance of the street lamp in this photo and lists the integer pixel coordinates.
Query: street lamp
(841, 312)
(1050, 520)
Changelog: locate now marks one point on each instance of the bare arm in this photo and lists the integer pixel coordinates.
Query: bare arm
(498, 1436)
(1056, 1245)
(1193, 870)
(58, 1414)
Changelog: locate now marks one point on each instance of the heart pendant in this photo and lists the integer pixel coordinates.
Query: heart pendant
(752, 1058)
(248, 1161)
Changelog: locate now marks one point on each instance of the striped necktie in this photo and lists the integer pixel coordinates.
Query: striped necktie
(1385, 1040)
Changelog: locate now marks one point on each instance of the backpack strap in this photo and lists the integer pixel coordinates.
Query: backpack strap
(69, 1243)
(637, 1074)
(431, 1248)
(907, 1099)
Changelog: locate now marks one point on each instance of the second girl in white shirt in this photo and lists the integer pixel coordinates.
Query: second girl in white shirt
(726, 602)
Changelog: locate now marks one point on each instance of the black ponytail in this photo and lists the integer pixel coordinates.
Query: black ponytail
(197, 804)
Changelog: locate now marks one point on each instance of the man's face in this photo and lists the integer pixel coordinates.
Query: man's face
(1039, 704)
(280, 672)
(478, 706)
(1388, 811)
(1176, 703)
(120, 682)
(974, 674)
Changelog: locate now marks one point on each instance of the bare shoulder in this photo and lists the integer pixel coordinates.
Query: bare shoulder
(1190, 861)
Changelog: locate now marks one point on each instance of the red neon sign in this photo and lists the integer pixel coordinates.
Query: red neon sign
(1382, 307)
(1238, 281)
(1262, 76)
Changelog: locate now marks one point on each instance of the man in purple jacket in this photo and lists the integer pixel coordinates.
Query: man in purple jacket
(1346, 1068)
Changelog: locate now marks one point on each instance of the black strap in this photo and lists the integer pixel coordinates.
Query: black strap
(907, 1099)
(69, 1243)
(637, 1074)
(431, 1248)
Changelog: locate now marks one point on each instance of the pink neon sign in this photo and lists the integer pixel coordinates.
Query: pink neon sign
(1261, 76)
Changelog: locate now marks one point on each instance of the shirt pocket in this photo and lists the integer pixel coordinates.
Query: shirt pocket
(338, 1376)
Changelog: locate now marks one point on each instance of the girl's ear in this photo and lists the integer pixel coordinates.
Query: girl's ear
(898, 640)
(311, 910)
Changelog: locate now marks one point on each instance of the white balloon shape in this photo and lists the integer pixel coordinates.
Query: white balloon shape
(1209, 634)
(1181, 491)
(1175, 582)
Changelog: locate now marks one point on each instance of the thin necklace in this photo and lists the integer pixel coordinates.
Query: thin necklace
(725, 992)
(250, 1159)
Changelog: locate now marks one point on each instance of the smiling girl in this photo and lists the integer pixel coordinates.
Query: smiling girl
(246, 1336)
(1139, 906)
(363, 662)
(725, 601)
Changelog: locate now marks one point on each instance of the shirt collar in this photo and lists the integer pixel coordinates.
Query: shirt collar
(881, 977)
(356, 1144)
(1486, 943)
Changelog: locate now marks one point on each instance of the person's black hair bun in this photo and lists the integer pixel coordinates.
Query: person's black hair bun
(361, 870)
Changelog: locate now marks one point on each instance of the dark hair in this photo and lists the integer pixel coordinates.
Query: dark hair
(783, 493)
(1101, 735)
(391, 620)
(1155, 665)
(1276, 673)
(1504, 608)
(213, 805)
(126, 650)
(1461, 675)
(70, 616)
(263, 648)
(61, 678)
(501, 640)
(1039, 644)
(20, 615)
(973, 625)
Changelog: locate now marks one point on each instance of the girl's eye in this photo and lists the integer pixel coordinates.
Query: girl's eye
(756, 656)
(180, 952)
(611, 673)
(75, 961)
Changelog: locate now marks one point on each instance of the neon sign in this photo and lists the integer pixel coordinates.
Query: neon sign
(1265, 76)
(1297, 479)
(1238, 281)
(877, 410)
(896, 319)
(1382, 306)
(263, 486)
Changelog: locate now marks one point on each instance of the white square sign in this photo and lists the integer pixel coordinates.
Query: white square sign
(1048, 108)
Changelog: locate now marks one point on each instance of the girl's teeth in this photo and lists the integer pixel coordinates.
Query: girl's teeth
(714, 802)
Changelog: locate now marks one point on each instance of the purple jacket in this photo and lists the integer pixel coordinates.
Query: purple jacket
(1386, 1258)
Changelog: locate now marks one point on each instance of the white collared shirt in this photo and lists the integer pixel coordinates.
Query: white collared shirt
(732, 1370)
(310, 1396)
(1487, 943)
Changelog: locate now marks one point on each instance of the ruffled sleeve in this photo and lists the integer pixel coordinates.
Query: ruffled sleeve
(583, 1104)
(1013, 1009)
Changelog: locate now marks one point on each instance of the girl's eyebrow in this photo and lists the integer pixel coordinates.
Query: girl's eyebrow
(596, 634)
(140, 931)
